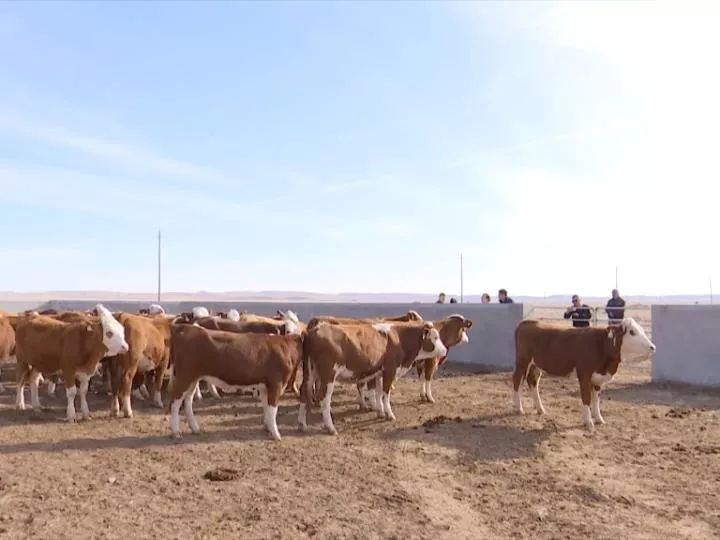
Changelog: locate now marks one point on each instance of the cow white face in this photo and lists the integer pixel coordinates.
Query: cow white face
(156, 309)
(113, 333)
(199, 312)
(233, 315)
(432, 346)
(292, 324)
(635, 342)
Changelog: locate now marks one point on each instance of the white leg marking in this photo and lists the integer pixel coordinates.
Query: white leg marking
(428, 392)
(302, 417)
(127, 408)
(144, 391)
(536, 398)
(325, 406)
(197, 393)
(386, 403)
(70, 394)
(51, 388)
(20, 398)
(189, 413)
(137, 394)
(595, 406)
(361, 396)
(34, 390)
(518, 402)
(378, 400)
(262, 390)
(115, 406)
(272, 422)
(175, 418)
(423, 392)
(157, 400)
(213, 391)
(84, 383)
(587, 417)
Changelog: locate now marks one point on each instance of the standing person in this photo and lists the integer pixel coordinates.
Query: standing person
(441, 298)
(503, 297)
(485, 298)
(580, 313)
(453, 300)
(615, 316)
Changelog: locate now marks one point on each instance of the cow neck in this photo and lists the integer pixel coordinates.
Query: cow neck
(410, 343)
(613, 348)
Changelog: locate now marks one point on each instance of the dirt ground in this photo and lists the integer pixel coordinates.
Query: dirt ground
(465, 467)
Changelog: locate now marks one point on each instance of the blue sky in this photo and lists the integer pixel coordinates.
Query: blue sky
(359, 146)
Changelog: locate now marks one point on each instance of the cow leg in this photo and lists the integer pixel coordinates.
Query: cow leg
(197, 394)
(113, 369)
(533, 381)
(518, 376)
(22, 371)
(51, 385)
(126, 381)
(70, 393)
(157, 385)
(189, 413)
(586, 396)
(84, 379)
(213, 390)
(362, 396)
(595, 404)
(379, 405)
(307, 389)
(272, 392)
(387, 384)
(35, 377)
(262, 390)
(325, 407)
(431, 365)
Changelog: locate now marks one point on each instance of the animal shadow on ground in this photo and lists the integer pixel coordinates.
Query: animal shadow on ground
(663, 394)
(475, 439)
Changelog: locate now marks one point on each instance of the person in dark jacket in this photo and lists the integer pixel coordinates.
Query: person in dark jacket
(503, 297)
(580, 313)
(615, 316)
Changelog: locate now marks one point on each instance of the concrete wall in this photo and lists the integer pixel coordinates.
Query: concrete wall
(688, 344)
(492, 341)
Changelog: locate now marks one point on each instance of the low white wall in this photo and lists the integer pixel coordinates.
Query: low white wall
(492, 337)
(688, 344)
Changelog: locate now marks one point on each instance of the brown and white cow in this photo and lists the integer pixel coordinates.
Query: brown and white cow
(231, 361)
(7, 342)
(148, 340)
(45, 346)
(453, 332)
(594, 354)
(357, 353)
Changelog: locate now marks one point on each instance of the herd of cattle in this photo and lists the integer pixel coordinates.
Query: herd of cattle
(140, 355)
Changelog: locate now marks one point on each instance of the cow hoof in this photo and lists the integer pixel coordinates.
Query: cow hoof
(127, 415)
(71, 420)
(20, 407)
(332, 432)
(430, 399)
(600, 421)
(302, 428)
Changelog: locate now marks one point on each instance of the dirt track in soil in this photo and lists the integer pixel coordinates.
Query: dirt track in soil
(478, 471)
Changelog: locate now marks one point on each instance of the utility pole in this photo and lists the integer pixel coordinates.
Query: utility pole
(616, 277)
(462, 287)
(711, 291)
(159, 267)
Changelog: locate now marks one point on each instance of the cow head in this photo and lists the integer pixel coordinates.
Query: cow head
(291, 323)
(233, 315)
(113, 332)
(413, 315)
(453, 330)
(156, 309)
(632, 339)
(431, 345)
(199, 312)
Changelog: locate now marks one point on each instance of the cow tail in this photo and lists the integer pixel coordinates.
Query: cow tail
(306, 388)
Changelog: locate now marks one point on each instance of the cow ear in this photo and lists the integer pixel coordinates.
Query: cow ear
(89, 328)
(468, 323)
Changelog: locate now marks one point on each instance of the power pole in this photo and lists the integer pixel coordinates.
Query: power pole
(462, 285)
(616, 277)
(159, 267)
